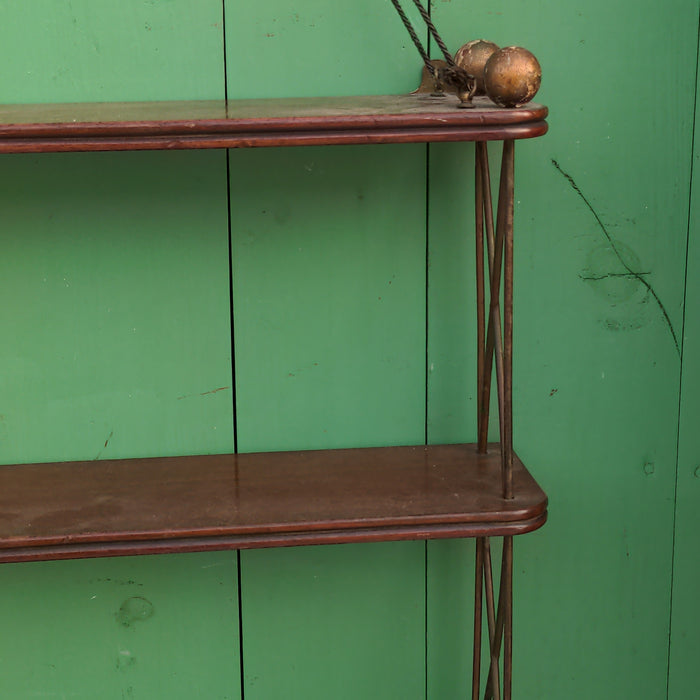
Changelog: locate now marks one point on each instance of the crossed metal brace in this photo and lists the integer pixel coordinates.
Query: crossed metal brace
(495, 346)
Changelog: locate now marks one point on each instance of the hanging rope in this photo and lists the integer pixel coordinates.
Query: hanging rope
(431, 27)
(453, 75)
(412, 33)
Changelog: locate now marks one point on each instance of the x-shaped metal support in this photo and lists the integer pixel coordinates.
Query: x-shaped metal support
(499, 620)
(495, 346)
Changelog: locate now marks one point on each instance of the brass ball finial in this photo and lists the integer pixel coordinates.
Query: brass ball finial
(472, 58)
(512, 76)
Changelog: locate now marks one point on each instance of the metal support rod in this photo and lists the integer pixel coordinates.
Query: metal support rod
(494, 676)
(505, 209)
(480, 294)
(487, 218)
(478, 621)
(498, 638)
(496, 346)
(504, 600)
(507, 605)
(493, 338)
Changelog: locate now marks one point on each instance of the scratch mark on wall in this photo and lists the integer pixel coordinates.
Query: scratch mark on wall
(298, 370)
(117, 581)
(102, 449)
(211, 566)
(639, 276)
(204, 393)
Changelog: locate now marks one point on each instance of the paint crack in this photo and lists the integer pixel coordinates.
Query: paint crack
(629, 271)
(597, 278)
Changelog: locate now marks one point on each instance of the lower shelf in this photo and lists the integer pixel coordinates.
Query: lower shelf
(71, 510)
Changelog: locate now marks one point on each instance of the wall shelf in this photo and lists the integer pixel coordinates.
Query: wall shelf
(197, 503)
(312, 121)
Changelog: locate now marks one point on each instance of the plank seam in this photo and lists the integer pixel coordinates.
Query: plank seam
(233, 354)
(680, 370)
(426, 600)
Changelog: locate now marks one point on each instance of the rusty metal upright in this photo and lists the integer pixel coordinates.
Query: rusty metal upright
(495, 346)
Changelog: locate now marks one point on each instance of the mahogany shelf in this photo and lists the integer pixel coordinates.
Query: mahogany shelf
(267, 122)
(196, 503)
(216, 502)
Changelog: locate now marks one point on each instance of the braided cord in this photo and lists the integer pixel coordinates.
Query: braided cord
(414, 37)
(452, 75)
(438, 39)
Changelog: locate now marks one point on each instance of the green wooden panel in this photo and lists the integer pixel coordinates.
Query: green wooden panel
(328, 297)
(286, 48)
(685, 623)
(116, 343)
(596, 362)
(120, 345)
(317, 605)
(685, 620)
(449, 633)
(451, 405)
(81, 51)
(329, 301)
(120, 629)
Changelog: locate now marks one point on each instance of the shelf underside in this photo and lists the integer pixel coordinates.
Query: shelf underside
(215, 502)
(267, 122)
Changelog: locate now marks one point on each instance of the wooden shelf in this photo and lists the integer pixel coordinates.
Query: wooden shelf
(185, 504)
(196, 503)
(254, 123)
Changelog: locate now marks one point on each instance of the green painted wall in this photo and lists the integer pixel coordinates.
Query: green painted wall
(353, 325)
(685, 628)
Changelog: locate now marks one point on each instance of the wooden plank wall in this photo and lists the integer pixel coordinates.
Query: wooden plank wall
(600, 268)
(348, 272)
(685, 619)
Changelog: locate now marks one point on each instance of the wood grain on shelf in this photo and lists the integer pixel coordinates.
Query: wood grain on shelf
(264, 122)
(197, 503)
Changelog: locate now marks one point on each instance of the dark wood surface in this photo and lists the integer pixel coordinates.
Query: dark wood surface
(197, 503)
(254, 123)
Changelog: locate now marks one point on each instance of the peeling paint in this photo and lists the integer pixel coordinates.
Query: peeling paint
(132, 610)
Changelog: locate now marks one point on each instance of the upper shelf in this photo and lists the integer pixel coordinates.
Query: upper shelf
(126, 126)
